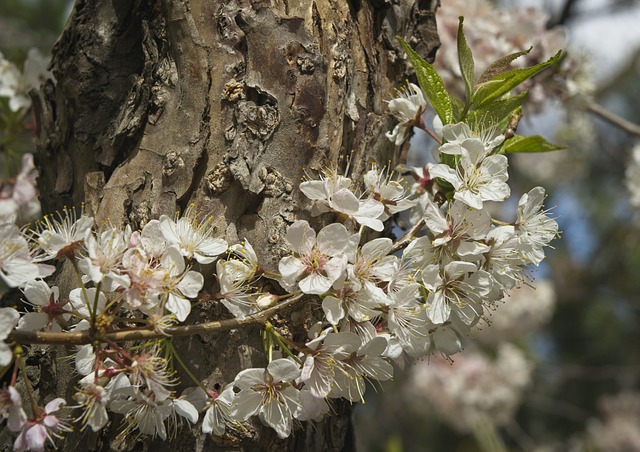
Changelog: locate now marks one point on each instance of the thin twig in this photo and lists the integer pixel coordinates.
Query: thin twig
(407, 237)
(136, 334)
(614, 119)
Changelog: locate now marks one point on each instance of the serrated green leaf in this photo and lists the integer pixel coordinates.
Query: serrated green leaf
(501, 65)
(431, 84)
(465, 59)
(534, 143)
(501, 84)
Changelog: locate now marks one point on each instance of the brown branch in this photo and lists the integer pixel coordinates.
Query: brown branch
(408, 236)
(136, 334)
(600, 111)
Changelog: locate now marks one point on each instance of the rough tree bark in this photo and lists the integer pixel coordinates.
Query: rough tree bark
(226, 105)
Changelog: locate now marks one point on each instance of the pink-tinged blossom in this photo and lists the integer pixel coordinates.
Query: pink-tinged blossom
(319, 261)
(474, 387)
(19, 198)
(36, 433)
(8, 321)
(270, 393)
(145, 276)
(11, 408)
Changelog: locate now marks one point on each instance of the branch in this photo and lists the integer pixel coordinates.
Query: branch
(136, 334)
(600, 111)
(407, 237)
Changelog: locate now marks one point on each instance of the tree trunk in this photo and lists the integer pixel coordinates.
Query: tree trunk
(225, 105)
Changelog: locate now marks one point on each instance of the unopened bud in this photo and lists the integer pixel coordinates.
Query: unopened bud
(266, 300)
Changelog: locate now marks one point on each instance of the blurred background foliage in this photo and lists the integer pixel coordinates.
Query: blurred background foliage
(586, 357)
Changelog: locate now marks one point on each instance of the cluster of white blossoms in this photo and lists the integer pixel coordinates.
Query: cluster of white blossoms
(485, 385)
(617, 428)
(383, 301)
(473, 389)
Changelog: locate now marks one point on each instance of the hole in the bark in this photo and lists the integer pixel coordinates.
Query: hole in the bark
(260, 97)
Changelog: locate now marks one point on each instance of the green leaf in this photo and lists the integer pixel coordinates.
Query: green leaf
(465, 59)
(501, 65)
(431, 84)
(458, 109)
(501, 84)
(493, 113)
(534, 143)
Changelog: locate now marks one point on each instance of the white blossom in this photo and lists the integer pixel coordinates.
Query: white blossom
(219, 409)
(8, 321)
(61, 236)
(180, 284)
(11, 408)
(407, 108)
(533, 226)
(270, 394)
(16, 85)
(16, 265)
(193, 237)
(45, 426)
(320, 260)
(48, 311)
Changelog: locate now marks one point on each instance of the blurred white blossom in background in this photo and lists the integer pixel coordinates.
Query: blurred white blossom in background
(16, 85)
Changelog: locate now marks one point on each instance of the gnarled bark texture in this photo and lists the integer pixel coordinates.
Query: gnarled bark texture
(226, 105)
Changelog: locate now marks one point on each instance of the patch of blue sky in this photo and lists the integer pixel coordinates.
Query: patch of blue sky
(575, 225)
